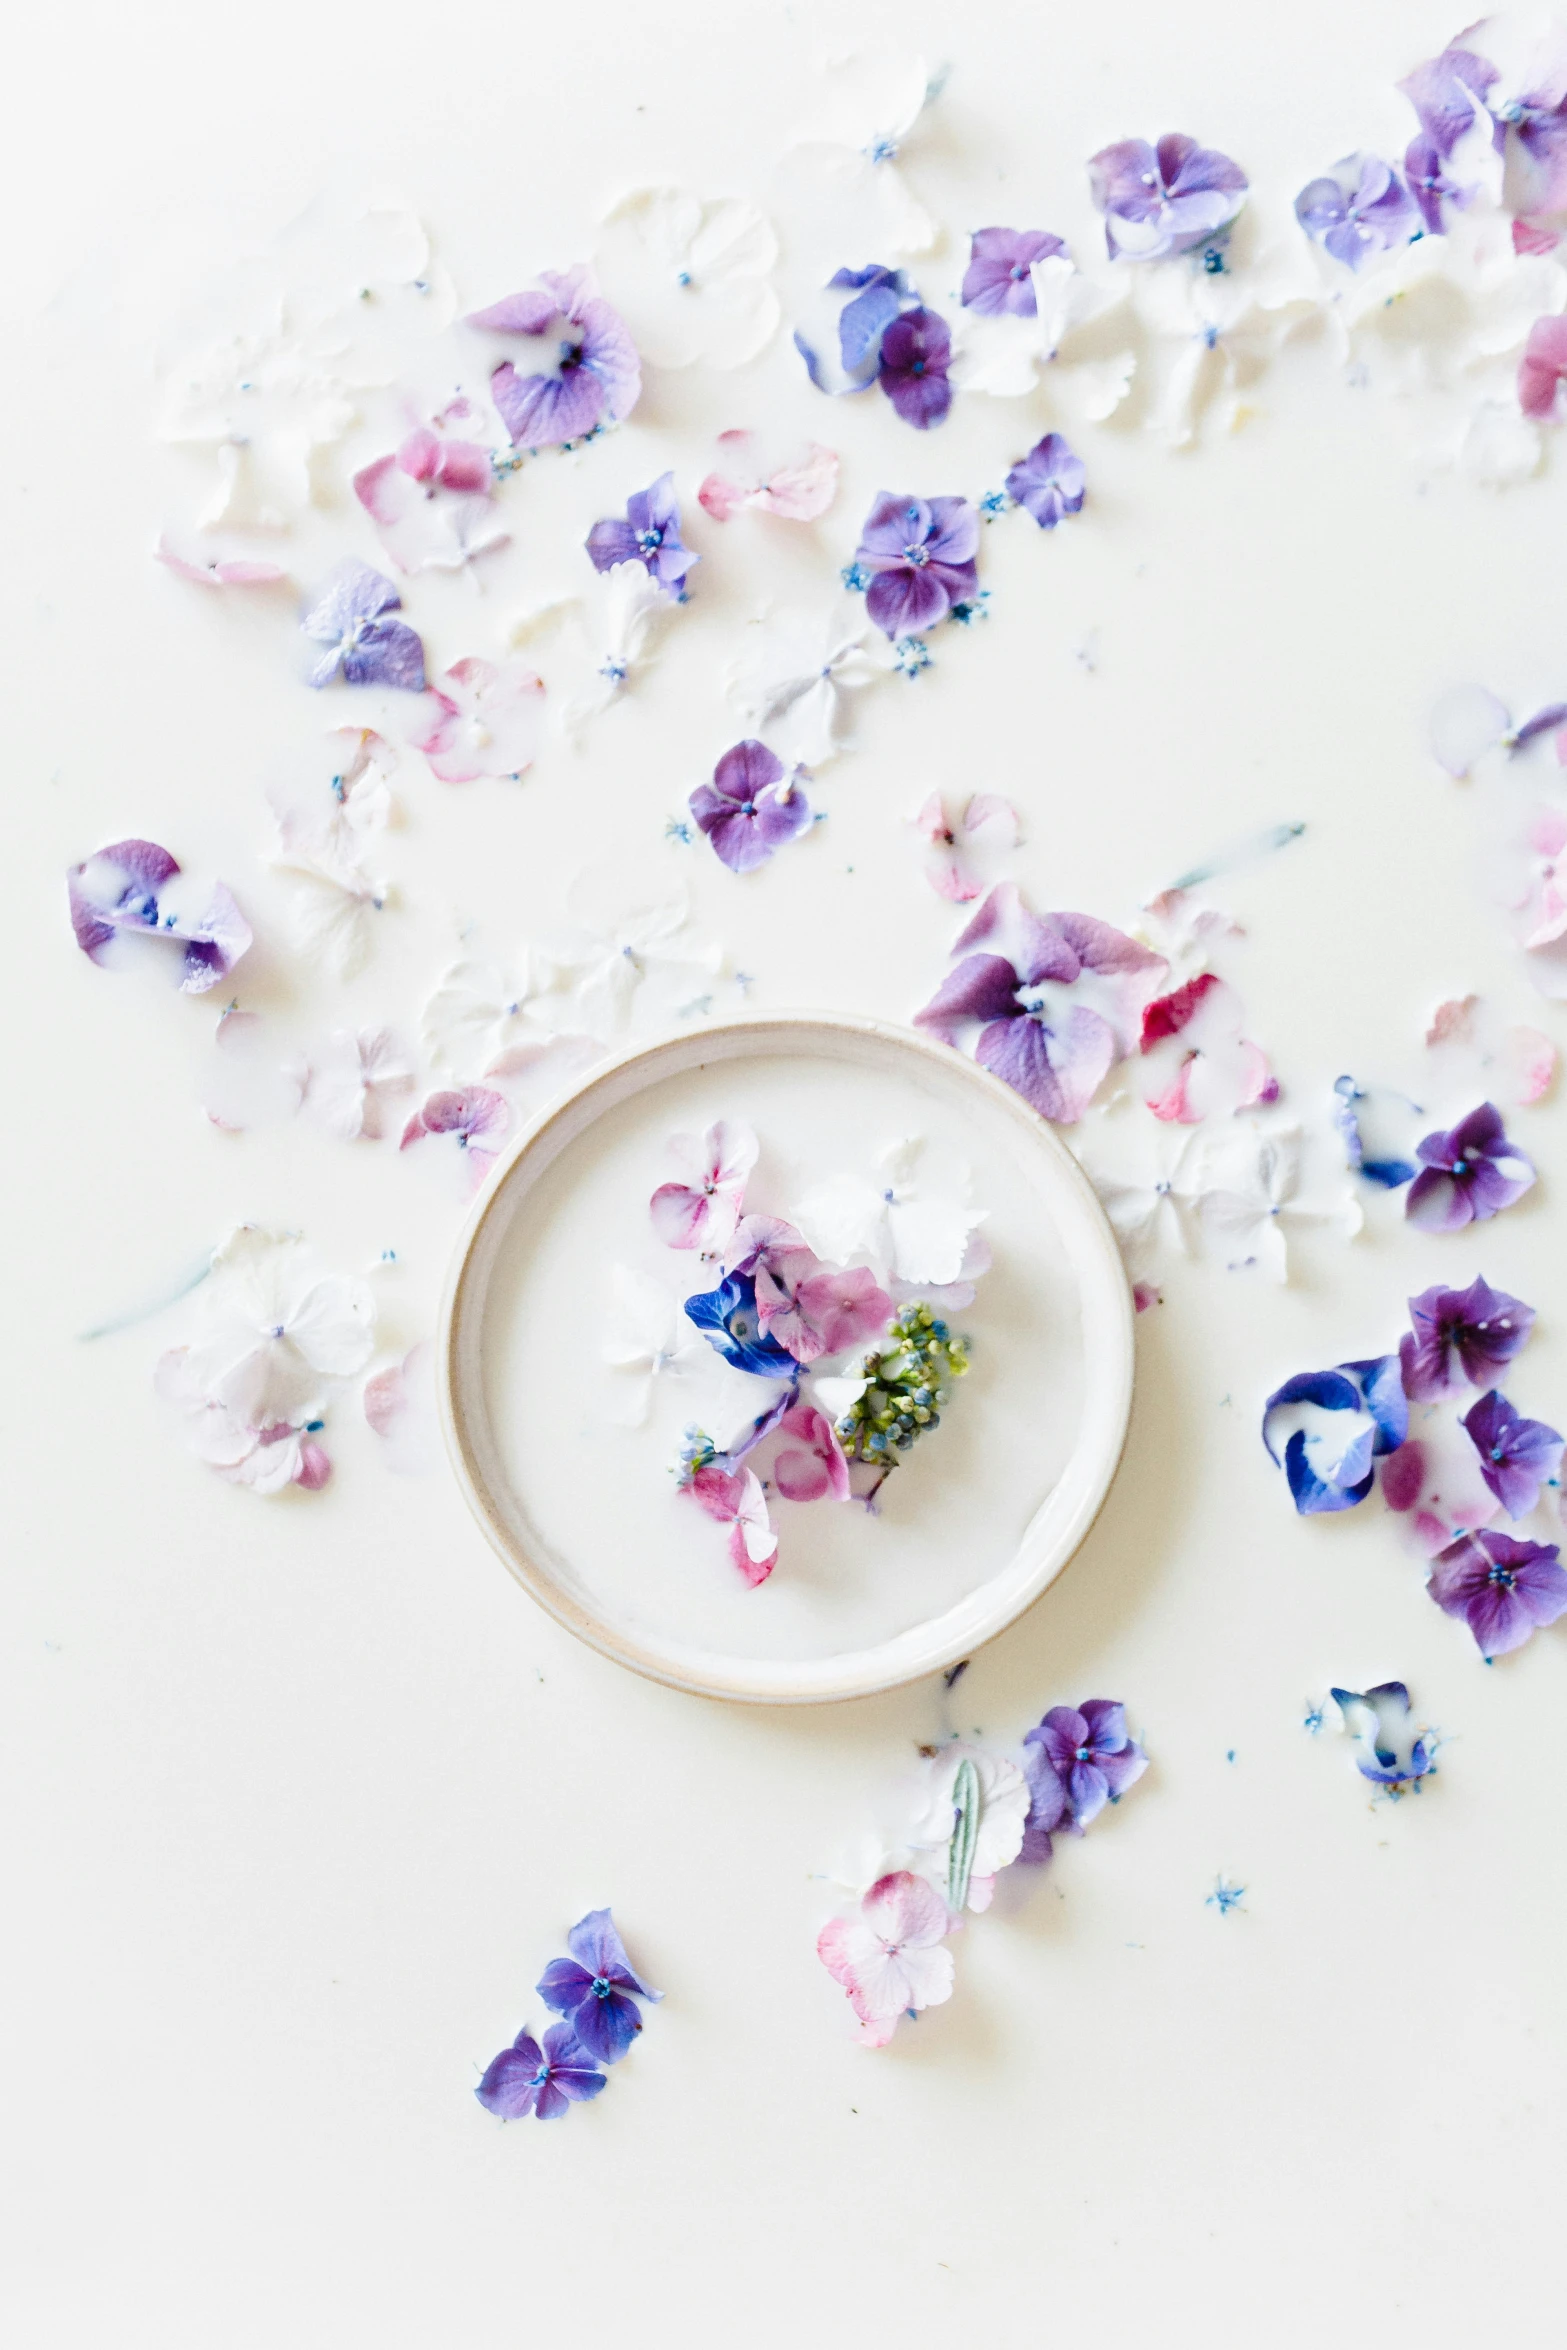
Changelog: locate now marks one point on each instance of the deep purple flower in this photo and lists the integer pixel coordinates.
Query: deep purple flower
(1516, 1455)
(1503, 1588)
(997, 279)
(1357, 210)
(921, 554)
(595, 377)
(126, 889)
(916, 352)
(1088, 1755)
(1449, 95)
(595, 1989)
(1055, 1055)
(751, 807)
(1164, 199)
(1327, 1458)
(1467, 1175)
(526, 2078)
(1483, 1326)
(1050, 481)
(361, 642)
(649, 534)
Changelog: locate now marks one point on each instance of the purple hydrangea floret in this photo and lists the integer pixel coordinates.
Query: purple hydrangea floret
(751, 807)
(1359, 209)
(1053, 1050)
(1504, 1589)
(362, 644)
(1468, 1174)
(1450, 94)
(1327, 1459)
(996, 282)
(1050, 481)
(920, 554)
(1164, 199)
(648, 533)
(916, 352)
(595, 1989)
(125, 889)
(1516, 1455)
(526, 2078)
(1080, 1760)
(594, 377)
(1483, 1327)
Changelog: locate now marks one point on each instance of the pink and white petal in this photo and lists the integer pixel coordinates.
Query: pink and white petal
(804, 488)
(904, 1908)
(800, 1476)
(1173, 1102)
(678, 1215)
(950, 874)
(991, 822)
(1532, 1060)
(721, 497)
(400, 1406)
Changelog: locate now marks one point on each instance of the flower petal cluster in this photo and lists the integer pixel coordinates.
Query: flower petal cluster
(752, 806)
(1358, 210)
(998, 280)
(476, 1117)
(1467, 1175)
(432, 501)
(730, 1322)
(1517, 1456)
(484, 718)
(916, 354)
(702, 1212)
(363, 646)
(276, 1335)
(1333, 1425)
(134, 888)
(1504, 1589)
(545, 2082)
(962, 841)
(1482, 1327)
(968, 1815)
(891, 1958)
(596, 1989)
(1163, 199)
(649, 534)
(1390, 1758)
(736, 1500)
(1050, 482)
(1037, 1031)
(586, 372)
(1078, 1760)
(798, 490)
(920, 554)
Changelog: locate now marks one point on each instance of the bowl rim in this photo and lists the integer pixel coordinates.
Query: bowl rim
(919, 1650)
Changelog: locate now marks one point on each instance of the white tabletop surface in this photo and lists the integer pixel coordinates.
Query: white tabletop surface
(301, 1794)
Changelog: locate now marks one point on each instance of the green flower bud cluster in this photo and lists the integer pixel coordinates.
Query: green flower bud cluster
(910, 1375)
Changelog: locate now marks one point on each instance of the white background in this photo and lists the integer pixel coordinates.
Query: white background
(299, 1796)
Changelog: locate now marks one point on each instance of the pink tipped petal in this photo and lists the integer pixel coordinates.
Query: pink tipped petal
(721, 497)
(1543, 365)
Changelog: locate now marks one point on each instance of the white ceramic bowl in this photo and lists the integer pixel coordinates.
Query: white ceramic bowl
(511, 1411)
